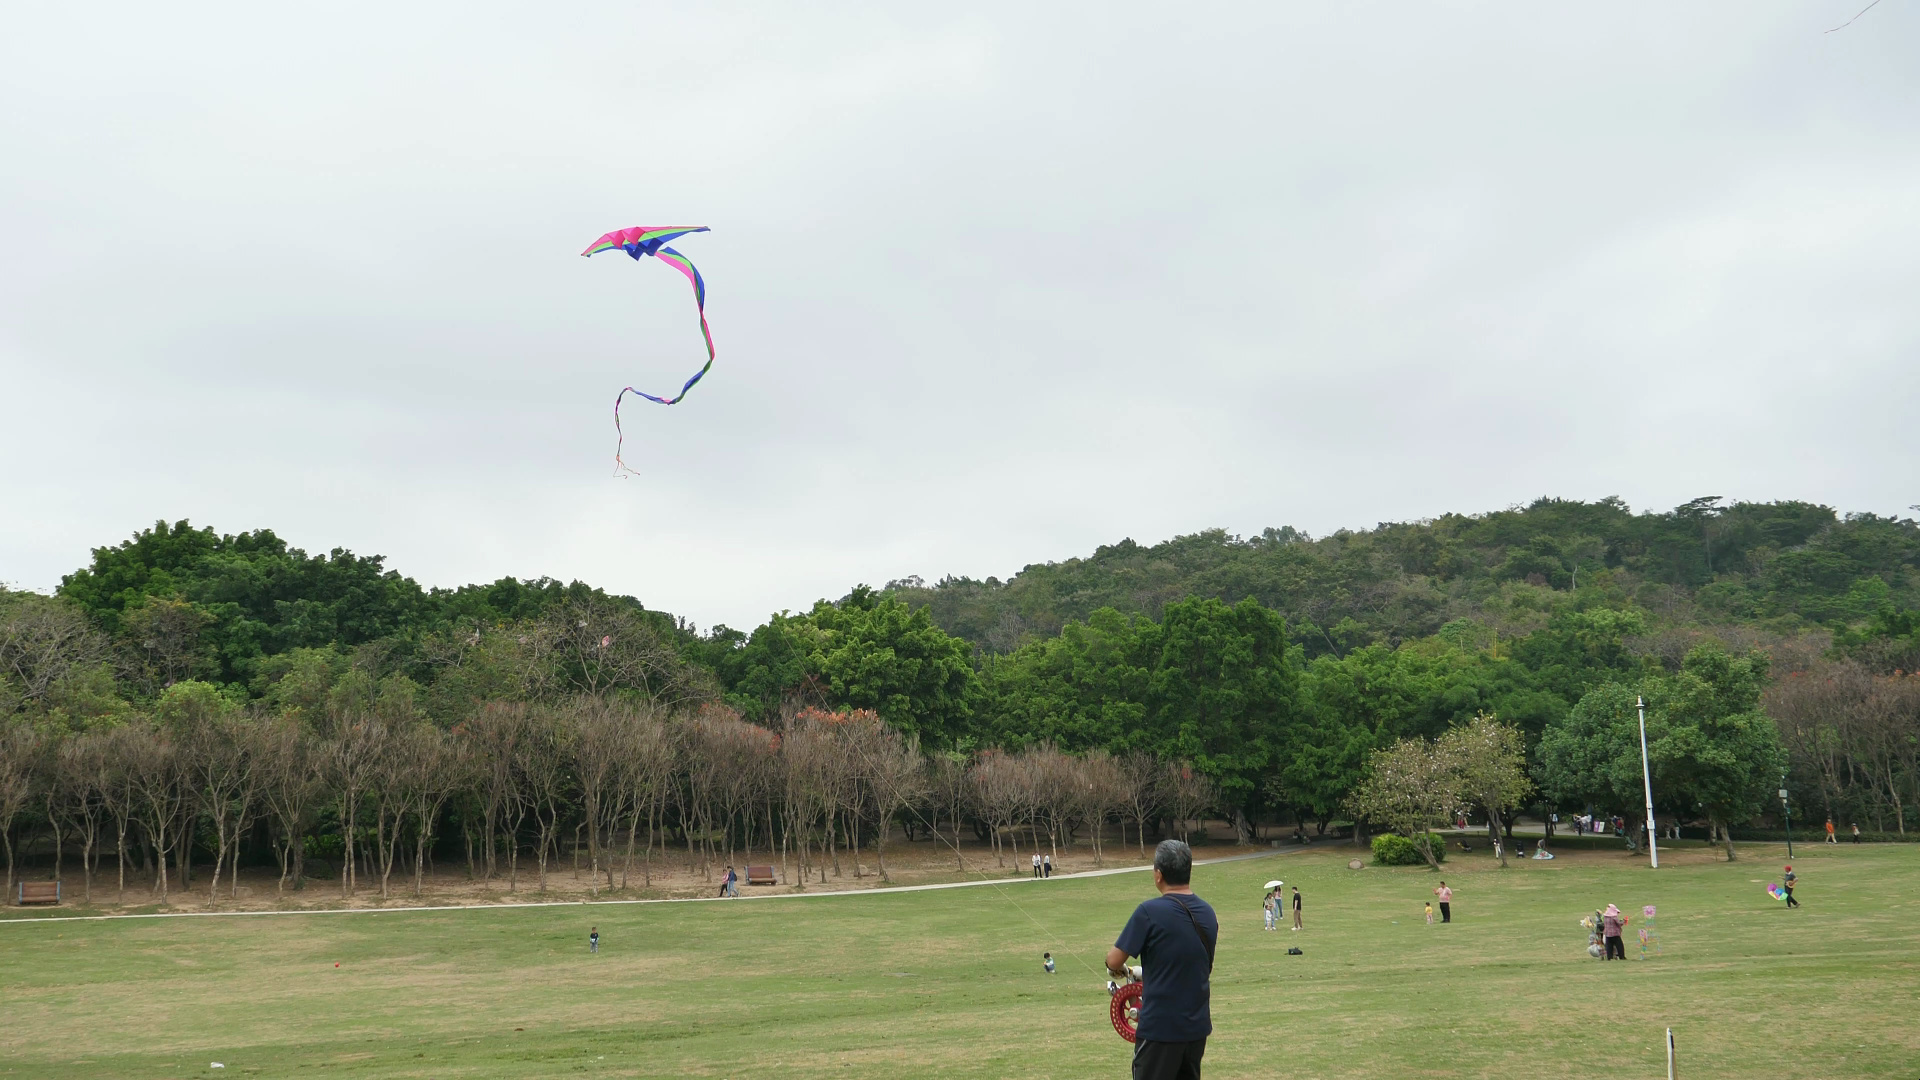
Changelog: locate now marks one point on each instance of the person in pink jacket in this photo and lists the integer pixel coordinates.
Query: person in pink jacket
(1612, 926)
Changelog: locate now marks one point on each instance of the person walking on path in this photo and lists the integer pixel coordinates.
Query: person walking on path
(1446, 902)
(1787, 884)
(1046, 866)
(593, 940)
(1296, 909)
(1174, 935)
(1271, 904)
(1036, 864)
(1611, 927)
(1856, 832)
(1830, 838)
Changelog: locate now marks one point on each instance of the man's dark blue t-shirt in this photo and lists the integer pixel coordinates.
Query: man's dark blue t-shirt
(1173, 1003)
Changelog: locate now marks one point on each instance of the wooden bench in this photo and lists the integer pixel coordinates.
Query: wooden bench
(761, 875)
(38, 892)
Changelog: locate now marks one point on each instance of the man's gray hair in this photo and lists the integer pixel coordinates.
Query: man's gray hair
(1174, 860)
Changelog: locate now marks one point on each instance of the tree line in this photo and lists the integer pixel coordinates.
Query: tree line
(508, 787)
(1274, 707)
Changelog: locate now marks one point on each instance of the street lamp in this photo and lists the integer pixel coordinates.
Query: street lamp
(1646, 778)
(1788, 812)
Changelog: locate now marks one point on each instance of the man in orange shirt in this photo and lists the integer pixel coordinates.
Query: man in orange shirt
(1830, 838)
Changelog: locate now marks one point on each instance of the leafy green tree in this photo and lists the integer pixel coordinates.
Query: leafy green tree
(1590, 759)
(877, 653)
(1709, 741)
(869, 651)
(1888, 641)
(1083, 689)
(1581, 649)
(1223, 692)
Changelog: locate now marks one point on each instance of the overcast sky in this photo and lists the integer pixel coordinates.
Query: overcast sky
(990, 284)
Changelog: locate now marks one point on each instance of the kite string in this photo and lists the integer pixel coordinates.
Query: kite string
(1850, 22)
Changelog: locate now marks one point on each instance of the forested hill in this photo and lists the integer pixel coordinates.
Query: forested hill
(1781, 567)
(1272, 666)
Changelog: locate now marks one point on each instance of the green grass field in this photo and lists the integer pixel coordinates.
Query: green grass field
(948, 983)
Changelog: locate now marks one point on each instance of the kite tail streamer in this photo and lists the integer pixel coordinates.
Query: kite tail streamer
(685, 266)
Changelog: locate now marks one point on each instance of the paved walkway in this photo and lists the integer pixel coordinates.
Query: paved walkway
(883, 891)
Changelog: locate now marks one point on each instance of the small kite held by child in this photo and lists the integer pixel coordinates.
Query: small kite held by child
(640, 242)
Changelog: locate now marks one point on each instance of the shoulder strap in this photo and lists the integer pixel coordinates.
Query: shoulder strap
(1199, 931)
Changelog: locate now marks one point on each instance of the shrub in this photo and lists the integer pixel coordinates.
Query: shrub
(1392, 849)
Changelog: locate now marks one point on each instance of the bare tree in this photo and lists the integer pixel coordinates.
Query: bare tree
(120, 789)
(1145, 782)
(543, 764)
(1000, 793)
(607, 748)
(1408, 787)
(218, 766)
(1189, 793)
(1490, 764)
(599, 645)
(1102, 791)
(951, 792)
(292, 768)
(395, 779)
(353, 751)
(647, 748)
(155, 772)
(898, 780)
(1855, 734)
(19, 753)
(438, 765)
(44, 641)
(815, 771)
(1054, 792)
(495, 734)
(85, 774)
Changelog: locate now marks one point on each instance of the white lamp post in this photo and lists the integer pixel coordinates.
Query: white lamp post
(1646, 778)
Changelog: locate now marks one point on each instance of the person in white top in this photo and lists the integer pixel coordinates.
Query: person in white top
(1036, 864)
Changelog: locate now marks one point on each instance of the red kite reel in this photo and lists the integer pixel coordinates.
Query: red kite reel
(1125, 1007)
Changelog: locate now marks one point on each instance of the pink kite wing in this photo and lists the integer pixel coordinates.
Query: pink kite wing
(641, 240)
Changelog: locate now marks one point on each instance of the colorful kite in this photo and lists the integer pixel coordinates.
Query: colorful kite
(1774, 890)
(641, 241)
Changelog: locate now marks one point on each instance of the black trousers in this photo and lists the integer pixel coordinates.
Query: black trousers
(1616, 947)
(1167, 1060)
(1446, 912)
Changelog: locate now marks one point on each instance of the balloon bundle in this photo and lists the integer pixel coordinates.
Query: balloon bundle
(1774, 890)
(1125, 1008)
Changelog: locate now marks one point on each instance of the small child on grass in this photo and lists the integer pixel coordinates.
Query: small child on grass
(1047, 961)
(1429, 913)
